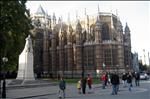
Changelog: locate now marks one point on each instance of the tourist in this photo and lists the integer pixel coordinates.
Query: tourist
(115, 83)
(103, 78)
(129, 80)
(137, 79)
(109, 78)
(79, 86)
(89, 81)
(83, 85)
(124, 79)
(62, 87)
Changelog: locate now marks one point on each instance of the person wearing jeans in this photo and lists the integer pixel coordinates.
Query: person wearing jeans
(103, 78)
(62, 87)
(129, 81)
(115, 83)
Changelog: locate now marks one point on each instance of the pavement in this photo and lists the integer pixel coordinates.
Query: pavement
(50, 91)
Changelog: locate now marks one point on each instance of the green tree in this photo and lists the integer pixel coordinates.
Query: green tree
(15, 26)
(142, 67)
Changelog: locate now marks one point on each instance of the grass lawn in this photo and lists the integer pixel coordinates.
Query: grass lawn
(75, 80)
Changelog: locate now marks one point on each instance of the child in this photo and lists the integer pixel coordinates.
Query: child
(79, 86)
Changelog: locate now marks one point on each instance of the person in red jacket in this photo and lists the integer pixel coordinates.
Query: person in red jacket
(89, 81)
(103, 79)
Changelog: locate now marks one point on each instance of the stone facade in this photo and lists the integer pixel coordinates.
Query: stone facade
(86, 44)
(135, 62)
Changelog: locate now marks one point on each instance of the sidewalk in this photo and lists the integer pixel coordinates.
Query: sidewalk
(71, 91)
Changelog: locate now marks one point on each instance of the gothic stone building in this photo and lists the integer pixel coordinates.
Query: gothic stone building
(89, 45)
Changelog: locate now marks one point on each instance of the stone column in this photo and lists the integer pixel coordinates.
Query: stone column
(54, 57)
(70, 59)
(98, 57)
(61, 60)
(45, 53)
(121, 57)
(78, 59)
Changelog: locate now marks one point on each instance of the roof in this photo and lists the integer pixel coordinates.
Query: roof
(40, 10)
(127, 28)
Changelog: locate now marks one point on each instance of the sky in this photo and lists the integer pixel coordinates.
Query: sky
(135, 13)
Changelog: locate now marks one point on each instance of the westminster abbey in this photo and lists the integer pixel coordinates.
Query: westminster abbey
(90, 45)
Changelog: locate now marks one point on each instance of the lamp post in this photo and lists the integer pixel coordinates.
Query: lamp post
(82, 48)
(4, 59)
(117, 68)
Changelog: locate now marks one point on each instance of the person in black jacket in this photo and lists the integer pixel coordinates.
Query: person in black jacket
(115, 83)
(137, 78)
(129, 80)
(83, 81)
(62, 87)
(124, 79)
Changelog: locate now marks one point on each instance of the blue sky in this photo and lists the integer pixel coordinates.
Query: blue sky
(135, 13)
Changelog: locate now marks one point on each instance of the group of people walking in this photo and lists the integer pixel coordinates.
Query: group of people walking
(111, 79)
(81, 84)
(127, 80)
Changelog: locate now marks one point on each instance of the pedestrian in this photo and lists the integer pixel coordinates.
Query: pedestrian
(79, 86)
(83, 85)
(106, 81)
(137, 78)
(62, 87)
(89, 81)
(115, 83)
(109, 79)
(129, 80)
(103, 79)
(124, 79)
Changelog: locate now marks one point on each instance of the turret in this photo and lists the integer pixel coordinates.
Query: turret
(78, 33)
(98, 28)
(86, 26)
(69, 34)
(60, 20)
(48, 22)
(127, 30)
(40, 17)
(60, 35)
(127, 43)
(98, 52)
(127, 35)
(54, 21)
(40, 11)
(119, 29)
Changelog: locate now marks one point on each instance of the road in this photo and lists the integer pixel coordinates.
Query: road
(50, 92)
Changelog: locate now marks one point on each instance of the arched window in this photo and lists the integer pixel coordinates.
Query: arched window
(105, 32)
(92, 32)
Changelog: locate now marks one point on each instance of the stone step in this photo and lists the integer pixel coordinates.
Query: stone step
(15, 82)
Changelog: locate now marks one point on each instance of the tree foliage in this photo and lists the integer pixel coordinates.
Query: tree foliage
(15, 26)
(143, 67)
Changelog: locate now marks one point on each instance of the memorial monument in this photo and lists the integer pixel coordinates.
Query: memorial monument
(25, 69)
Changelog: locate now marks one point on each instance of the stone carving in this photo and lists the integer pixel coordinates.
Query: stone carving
(25, 71)
(28, 45)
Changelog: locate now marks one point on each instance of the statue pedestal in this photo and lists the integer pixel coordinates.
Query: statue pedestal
(25, 71)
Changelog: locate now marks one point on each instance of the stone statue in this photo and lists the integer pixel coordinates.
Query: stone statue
(28, 45)
(25, 70)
